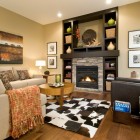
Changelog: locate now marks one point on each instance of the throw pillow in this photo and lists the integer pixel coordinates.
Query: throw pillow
(5, 80)
(10, 75)
(23, 74)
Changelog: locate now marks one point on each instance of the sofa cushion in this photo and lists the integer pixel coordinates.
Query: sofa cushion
(5, 80)
(4, 116)
(10, 75)
(23, 74)
(18, 84)
(35, 81)
(15, 71)
(9, 72)
(43, 99)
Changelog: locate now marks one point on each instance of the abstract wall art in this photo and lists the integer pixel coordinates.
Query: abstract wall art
(11, 48)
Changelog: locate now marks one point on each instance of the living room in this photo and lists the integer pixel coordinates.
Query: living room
(36, 36)
(36, 40)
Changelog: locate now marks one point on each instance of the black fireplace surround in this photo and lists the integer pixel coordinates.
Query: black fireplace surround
(87, 77)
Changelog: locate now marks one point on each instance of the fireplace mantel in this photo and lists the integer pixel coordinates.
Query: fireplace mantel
(113, 53)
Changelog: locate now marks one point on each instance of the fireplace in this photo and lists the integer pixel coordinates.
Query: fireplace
(87, 76)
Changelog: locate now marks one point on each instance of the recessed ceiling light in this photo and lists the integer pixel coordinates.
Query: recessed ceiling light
(108, 1)
(59, 14)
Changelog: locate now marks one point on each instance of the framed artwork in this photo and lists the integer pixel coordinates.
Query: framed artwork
(134, 39)
(52, 48)
(52, 62)
(11, 48)
(134, 59)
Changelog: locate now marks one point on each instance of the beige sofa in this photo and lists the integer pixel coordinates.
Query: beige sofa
(4, 101)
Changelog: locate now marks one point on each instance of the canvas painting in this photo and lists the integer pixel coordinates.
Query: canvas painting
(11, 48)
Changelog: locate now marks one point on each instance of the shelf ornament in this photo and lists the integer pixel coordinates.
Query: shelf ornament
(111, 46)
(68, 30)
(68, 50)
(111, 22)
(89, 38)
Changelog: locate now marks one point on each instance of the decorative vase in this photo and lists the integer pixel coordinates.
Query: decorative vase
(58, 78)
(111, 22)
(68, 30)
(111, 46)
(68, 50)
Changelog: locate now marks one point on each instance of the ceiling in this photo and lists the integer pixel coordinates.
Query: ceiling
(45, 11)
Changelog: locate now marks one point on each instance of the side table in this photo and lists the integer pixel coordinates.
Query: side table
(46, 76)
(67, 89)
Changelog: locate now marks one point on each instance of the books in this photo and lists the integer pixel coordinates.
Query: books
(122, 106)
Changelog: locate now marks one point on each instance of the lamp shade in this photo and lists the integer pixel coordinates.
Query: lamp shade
(40, 63)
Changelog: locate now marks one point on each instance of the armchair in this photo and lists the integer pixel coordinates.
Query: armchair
(128, 90)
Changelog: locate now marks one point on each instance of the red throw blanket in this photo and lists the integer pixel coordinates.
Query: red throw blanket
(25, 105)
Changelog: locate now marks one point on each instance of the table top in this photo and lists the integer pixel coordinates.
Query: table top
(66, 89)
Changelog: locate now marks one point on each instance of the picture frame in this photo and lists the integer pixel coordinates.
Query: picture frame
(134, 39)
(134, 59)
(11, 48)
(52, 62)
(52, 48)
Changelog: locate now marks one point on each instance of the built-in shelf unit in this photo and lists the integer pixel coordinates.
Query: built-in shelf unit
(70, 40)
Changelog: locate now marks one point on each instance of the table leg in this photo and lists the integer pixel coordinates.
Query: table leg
(61, 98)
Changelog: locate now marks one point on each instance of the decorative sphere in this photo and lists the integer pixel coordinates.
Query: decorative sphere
(68, 30)
(111, 22)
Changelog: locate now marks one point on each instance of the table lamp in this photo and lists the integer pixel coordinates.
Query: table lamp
(40, 64)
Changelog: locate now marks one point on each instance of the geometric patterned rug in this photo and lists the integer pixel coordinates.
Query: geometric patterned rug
(80, 115)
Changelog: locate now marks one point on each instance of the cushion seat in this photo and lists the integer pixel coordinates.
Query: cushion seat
(35, 81)
(19, 84)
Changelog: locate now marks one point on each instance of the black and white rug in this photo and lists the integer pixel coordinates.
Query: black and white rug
(79, 115)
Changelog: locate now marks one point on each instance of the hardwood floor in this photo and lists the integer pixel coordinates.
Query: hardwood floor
(108, 130)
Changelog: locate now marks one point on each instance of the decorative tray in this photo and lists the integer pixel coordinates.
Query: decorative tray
(56, 84)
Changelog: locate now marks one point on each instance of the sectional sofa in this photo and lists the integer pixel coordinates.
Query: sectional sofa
(4, 101)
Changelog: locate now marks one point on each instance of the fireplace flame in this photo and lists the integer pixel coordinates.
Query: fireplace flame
(88, 79)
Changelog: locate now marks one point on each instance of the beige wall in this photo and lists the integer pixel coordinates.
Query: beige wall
(53, 33)
(129, 19)
(32, 32)
(35, 37)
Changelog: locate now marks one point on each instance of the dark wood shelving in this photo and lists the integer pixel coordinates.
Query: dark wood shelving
(66, 56)
(67, 77)
(87, 49)
(91, 54)
(109, 80)
(67, 69)
(67, 43)
(112, 38)
(110, 26)
(109, 56)
(83, 49)
(109, 69)
(68, 33)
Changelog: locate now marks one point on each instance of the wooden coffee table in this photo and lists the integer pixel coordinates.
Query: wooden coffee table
(67, 89)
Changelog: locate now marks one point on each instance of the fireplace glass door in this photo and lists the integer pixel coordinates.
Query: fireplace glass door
(87, 77)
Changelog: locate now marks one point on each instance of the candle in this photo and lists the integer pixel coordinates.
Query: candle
(58, 78)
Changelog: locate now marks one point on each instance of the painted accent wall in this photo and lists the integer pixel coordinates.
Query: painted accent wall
(33, 38)
(53, 33)
(129, 20)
